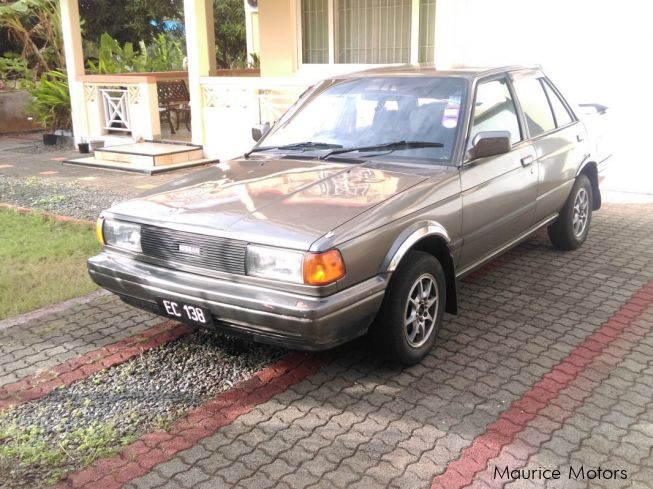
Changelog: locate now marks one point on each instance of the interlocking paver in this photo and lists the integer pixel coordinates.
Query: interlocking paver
(43, 343)
(361, 423)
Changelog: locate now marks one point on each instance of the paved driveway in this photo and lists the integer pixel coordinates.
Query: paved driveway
(549, 365)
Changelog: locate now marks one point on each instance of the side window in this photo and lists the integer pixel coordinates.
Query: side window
(494, 110)
(560, 112)
(535, 105)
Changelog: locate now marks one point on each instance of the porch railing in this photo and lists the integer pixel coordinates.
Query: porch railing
(116, 109)
(229, 107)
(124, 104)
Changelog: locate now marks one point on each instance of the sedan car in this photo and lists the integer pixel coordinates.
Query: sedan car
(360, 209)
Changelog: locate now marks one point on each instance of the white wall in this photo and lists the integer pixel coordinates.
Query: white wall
(583, 44)
(594, 50)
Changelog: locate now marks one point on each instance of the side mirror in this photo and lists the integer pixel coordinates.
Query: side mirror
(490, 143)
(260, 130)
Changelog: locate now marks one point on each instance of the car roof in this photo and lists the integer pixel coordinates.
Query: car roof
(470, 73)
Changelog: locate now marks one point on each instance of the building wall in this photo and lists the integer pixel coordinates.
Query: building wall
(13, 112)
(585, 45)
(278, 37)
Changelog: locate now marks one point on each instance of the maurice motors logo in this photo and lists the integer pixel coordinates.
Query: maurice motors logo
(575, 472)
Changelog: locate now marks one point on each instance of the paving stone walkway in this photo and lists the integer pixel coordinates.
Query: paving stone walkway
(48, 341)
(548, 366)
(361, 423)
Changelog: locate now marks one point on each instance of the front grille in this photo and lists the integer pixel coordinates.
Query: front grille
(217, 254)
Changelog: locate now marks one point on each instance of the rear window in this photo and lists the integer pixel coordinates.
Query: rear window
(535, 105)
(562, 116)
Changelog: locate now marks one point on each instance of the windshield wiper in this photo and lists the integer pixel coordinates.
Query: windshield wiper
(385, 147)
(302, 145)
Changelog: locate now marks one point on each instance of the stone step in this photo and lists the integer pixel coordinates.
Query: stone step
(146, 157)
(150, 153)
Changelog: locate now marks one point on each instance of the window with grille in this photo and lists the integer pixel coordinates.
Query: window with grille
(373, 31)
(315, 31)
(368, 31)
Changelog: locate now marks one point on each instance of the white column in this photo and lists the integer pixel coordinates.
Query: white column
(72, 39)
(200, 48)
(414, 32)
(453, 31)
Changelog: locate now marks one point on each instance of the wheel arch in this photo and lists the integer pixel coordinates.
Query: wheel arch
(590, 170)
(430, 237)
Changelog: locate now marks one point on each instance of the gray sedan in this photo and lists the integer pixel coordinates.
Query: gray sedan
(359, 210)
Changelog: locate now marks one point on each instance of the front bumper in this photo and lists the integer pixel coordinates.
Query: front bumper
(260, 313)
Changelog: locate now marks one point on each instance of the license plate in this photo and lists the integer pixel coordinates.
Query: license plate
(185, 312)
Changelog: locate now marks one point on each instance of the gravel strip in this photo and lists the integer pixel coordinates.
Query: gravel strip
(68, 199)
(111, 408)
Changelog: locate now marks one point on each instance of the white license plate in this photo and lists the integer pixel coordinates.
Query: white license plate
(185, 312)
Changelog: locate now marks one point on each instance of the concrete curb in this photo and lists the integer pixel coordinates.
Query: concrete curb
(47, 215)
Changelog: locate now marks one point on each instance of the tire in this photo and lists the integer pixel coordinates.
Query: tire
(391, 333)
(569, 231)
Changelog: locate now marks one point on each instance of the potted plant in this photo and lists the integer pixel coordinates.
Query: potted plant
(51, 104)
(84, 147)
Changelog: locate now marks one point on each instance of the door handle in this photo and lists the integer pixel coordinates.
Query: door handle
(527, 160)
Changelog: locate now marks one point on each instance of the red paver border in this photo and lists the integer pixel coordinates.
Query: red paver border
(157, 447)
(154, 448)
(512, 421)
(42, 383)
(46, 215)
(552, 417)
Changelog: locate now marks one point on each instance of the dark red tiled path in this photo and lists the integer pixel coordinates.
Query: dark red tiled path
(583, 359)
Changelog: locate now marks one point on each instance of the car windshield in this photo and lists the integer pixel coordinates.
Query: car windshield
(375, 111)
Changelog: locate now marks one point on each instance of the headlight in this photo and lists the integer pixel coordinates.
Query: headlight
(276, 264)
(122, 234)
(295, 266)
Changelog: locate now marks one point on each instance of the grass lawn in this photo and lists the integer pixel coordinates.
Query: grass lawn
(42, 261)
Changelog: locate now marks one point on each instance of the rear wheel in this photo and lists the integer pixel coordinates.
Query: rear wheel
(570, 230)
(412, 311)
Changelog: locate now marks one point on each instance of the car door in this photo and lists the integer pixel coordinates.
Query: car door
(556, 136)
(498, 192)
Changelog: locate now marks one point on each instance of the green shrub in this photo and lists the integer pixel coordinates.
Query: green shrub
(163, 54)
(51, 101)
(14, 71)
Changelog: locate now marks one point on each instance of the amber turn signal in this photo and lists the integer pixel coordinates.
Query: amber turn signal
(99, 234)
(323, 268)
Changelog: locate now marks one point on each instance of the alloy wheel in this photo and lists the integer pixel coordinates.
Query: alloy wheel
(421, 310)
(581, 212)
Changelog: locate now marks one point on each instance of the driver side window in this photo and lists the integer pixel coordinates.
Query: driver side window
(494, 110)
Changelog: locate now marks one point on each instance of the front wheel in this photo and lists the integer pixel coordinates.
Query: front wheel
(412, 310)
(570, 230)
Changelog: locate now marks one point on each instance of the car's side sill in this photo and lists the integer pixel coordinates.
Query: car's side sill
(506, 247)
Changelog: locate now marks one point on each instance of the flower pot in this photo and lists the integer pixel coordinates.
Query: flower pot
(50, 139)
(84, 148)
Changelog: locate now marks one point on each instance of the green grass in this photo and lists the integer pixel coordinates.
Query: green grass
(42, 261)
(31, 449)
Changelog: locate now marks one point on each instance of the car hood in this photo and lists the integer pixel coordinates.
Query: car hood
(282, 202)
